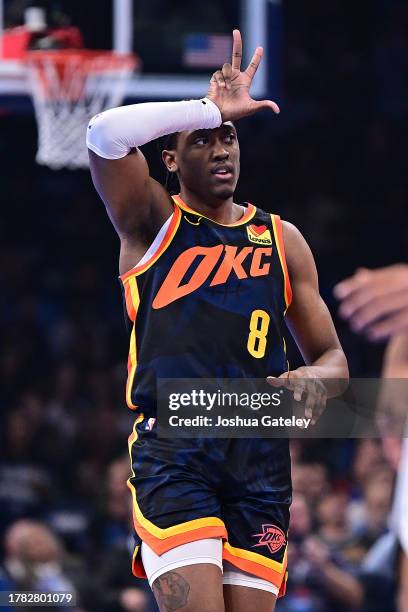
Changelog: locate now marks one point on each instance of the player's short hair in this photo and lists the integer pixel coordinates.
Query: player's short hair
(169, 142)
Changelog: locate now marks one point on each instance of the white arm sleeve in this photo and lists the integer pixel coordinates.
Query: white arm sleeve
(113, 133)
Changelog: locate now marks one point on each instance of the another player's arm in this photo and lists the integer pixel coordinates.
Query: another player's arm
(375, 302)
(308, 318)
(392, 402)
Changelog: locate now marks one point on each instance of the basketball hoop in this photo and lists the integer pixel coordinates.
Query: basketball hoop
(68, 87)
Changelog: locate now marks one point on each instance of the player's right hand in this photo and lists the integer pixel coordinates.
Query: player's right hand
(306, 387)
(229, 87)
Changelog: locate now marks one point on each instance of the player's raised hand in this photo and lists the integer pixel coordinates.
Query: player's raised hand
(229, 87)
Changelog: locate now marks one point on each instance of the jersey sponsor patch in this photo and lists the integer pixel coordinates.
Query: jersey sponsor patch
(259, 234)
(272, 537)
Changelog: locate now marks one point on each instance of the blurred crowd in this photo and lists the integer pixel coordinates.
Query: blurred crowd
(333, 164)
(78, 537)
(341, 554)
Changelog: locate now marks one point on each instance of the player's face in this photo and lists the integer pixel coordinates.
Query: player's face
(208, 161)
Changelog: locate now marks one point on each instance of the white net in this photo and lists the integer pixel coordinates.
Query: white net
(68, 89)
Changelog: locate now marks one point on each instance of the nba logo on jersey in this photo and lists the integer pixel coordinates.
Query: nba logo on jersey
(259, 234)
(150, 424)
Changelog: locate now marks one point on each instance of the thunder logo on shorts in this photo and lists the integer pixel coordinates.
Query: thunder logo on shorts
(209, 303)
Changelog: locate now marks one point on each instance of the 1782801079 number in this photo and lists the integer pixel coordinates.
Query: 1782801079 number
(36, 598)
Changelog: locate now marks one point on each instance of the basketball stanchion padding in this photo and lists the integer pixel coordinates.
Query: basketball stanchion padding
(68, 87)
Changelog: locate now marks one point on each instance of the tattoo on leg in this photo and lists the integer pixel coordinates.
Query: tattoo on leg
(171, 591)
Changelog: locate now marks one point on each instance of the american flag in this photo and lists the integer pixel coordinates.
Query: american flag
(207, 50)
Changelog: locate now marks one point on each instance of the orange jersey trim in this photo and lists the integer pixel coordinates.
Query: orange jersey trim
(167, 239)
(277, 230)
(162, 546)
(256, 564)
(132, 300)
(282, 590)
(130, 309)
(137, 565)
(248, 214)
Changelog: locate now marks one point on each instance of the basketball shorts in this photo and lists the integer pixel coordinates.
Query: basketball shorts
(186, 490)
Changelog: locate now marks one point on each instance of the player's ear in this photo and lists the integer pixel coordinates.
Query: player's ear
(169, 159)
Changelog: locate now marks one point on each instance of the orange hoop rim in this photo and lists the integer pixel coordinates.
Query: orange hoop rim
(85, 58)
(72, 70)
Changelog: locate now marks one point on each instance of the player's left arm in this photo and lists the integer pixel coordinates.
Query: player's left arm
(308, 318)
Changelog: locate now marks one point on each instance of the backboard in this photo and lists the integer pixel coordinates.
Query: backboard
(178, 43)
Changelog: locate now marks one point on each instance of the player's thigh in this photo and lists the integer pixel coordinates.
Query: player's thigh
(192, 588)
(187, 577)
(241, 599)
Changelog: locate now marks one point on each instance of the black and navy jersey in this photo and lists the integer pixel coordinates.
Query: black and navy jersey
(209, 302)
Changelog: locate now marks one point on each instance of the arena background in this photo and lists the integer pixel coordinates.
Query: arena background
(333, 163)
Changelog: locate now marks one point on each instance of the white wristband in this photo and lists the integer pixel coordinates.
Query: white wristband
(113, 133)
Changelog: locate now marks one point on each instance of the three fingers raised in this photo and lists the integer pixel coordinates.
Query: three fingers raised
(231, 74)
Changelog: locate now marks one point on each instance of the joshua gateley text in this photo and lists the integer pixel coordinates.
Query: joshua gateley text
(238, 421)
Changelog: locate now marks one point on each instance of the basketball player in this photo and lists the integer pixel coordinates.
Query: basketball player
(207, 283)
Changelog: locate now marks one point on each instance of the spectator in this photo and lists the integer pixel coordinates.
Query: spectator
(34, 561)
(114, 588)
